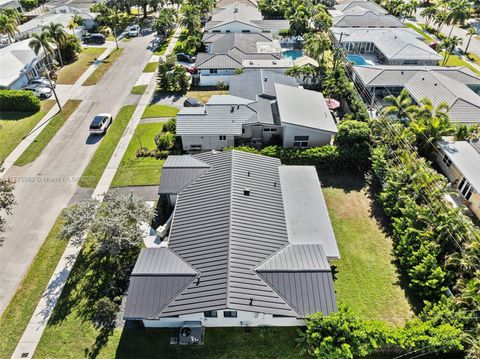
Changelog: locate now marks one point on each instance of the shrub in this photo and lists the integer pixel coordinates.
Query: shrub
(105, 312)
(165, 140)
(143, 152)
(71, 48)
(29, 4)
(170, 125)
(19, 100)
(354, 142)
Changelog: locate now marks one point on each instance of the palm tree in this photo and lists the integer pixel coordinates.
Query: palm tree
(429, 14)
(59, 36)
(316, 44)
(440, 19)
(8, 26)
(400, 107)
(449, 44)
(470, 32)
(191, 18)
(459, 11)
(75, 22)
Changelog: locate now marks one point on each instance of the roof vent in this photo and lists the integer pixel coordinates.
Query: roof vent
(265, 79)
(232, 108)
(246, 191)
(423, 78)
(251, 62)
(274, 62)
(248, 173)
(402, 72)
(251, 301)
(238, 107)
(435, 84)
(198, 281)
(235, 10)
(274, 184)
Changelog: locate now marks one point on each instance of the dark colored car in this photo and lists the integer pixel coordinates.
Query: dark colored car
(191, 102)
(93, 39)
(186, 58)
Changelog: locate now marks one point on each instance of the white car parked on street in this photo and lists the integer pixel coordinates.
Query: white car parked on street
(134, 31)
(100, 123)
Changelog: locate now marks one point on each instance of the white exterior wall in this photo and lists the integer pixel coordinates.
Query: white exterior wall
(208, 79)
(316, 137)
(211, 142)
(454, 175)
(250, 319)
(235, 26)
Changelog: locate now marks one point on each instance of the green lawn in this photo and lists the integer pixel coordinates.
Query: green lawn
(367, 279)
(105, 150)
(140, 171)
(428, 38)
(70, 73)
(160, 50)
(475, 58)
(139, 90)
(103, 67)
(14, 126)
(48, 132)
(16, 316)
(204, 96)
(153, 111)
(150, 67)
(454, 60)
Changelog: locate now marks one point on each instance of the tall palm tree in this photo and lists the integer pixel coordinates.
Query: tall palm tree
(459, 11)
(191, 18)
(75, 22)
(400, 107)
(429, 14)
(470, 32)
(316, 44)
(449, 44)
(8, 26)
(58, 35)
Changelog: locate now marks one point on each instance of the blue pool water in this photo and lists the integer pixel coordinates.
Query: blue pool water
(293, 54)
(358, 60)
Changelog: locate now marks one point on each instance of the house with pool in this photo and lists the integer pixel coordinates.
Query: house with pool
(377, 46)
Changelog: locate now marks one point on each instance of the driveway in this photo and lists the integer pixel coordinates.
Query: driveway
(47, 185)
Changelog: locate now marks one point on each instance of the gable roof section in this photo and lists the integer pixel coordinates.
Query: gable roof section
(178, 172)
(305, 108)
(296, 257)
(367, 5)
(161, 261)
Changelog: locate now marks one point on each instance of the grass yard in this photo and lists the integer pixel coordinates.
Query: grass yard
(140, 171)
(474, 57)
(150, 67)
(70, 73)
(48, 132)
(160, 50)
(454, 60)
(428, 38)
(204, 96)
(14, 126)
(139, 90)
(367, 279)
(16, 316)
(156, 110)
(107, 146)
(103, 67)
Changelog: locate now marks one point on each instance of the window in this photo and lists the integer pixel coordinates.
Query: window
(243, 131)
(210, 314)
(230, 314)
(273, 129)
(446, 160)
(216, 31)
(300, 141)
(465, 189)
(266, 130)
(213, 71)
(222, 138)
(245, 31)
(227, 31)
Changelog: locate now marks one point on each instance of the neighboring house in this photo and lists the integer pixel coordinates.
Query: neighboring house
(263, 107)
(239, 17)
(363, 14)
(226, 53)
(387, 46)
(62, 15)
(460, 161)
(458, 87)
(249, 245)
(19, 64)
(11, 4)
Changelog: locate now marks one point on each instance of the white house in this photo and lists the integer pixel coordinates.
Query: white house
(19, 64)
(460, 162)
(244, 229)
(11, 4)
(363, 13)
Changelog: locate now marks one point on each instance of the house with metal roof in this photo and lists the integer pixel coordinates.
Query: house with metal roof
(363, 13)
(249, 245)
(263, 107)
(387, 46)
(460, 162)
(240, 17)
(226, 53)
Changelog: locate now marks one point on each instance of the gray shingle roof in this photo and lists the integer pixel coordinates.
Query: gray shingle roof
(305, 108)
(225, 235)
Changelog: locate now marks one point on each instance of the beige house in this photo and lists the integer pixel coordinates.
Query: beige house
(460, 162)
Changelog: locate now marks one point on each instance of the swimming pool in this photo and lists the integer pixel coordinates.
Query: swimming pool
(358, 60)
(293, 54)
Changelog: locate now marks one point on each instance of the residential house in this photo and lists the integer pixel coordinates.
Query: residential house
(364, 13)
(11, 4)
(458, 87)
(239, 17)
(263, 107)
(386, 46)
(19, 64)
(244, 230)
(460, 161)
(226, 54)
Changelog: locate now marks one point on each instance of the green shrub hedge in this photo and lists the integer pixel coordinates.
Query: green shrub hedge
(19, 100)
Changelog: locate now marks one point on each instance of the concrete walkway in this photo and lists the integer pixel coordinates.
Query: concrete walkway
(31, 337)
(65, 93)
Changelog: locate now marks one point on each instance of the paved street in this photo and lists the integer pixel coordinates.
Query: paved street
(46, 186)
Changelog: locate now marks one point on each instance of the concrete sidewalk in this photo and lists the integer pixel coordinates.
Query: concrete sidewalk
(31, 337)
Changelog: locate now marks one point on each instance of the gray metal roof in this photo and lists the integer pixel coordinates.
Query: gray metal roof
(178, 172)
(161, 261)
(256, 83)
(297, 257)
(232, 59)
(220, 43)
(183, 161)
(304, 108)
(365, 19)
(465, 157)
(368, 5)
(306, 214)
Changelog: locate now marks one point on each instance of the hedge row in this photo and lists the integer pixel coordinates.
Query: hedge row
(19, 100)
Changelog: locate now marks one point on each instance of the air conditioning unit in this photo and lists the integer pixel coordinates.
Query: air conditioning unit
(191, 333)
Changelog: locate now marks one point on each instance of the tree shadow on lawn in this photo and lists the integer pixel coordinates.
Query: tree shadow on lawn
(346, 180)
